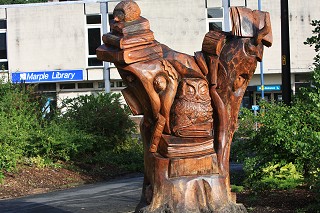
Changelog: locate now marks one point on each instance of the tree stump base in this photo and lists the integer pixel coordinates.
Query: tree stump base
(177, 186)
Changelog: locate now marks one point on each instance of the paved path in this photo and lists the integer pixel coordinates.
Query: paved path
(108, 197)
(117, 196)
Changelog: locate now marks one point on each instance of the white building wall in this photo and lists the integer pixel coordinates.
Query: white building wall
(3, 13)
(46, 37)
(179, 24)
(300, 15)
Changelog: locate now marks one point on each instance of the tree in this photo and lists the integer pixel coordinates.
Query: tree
(285, 148)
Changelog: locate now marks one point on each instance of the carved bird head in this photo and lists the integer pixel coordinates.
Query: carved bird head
(126, 11)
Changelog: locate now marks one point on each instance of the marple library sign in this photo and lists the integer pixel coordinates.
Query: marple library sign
(47, 76)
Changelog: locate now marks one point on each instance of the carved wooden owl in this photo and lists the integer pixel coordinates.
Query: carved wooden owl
(191, 113)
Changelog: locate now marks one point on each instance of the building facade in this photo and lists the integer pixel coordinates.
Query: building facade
(53, 44)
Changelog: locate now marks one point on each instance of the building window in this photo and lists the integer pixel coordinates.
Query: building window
(68, 86)
(47, 87)
(100, 84)
(93, 19)
(117, 84)
(215, 18)
(3, 46)
(94, 32)
(85, 85)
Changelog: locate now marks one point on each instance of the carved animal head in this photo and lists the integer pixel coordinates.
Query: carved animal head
(127, 10)
(193, 90)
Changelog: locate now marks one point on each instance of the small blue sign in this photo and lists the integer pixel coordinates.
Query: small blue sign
(270, 88)
(47, 76)
(255, 107)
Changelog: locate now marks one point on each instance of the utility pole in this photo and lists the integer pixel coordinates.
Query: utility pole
(105, 29)
(261, 65)
(226, 15)
(285, 53)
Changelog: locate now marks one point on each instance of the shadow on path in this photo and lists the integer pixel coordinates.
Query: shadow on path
(115, 196)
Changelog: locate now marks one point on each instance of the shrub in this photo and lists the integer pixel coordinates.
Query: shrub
(104, 118)
(127, 156)
(26, 136)
(94, 129)
(286, 142)
(18, 123)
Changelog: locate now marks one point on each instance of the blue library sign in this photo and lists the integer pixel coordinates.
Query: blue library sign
(255, 107)
(47, 76)
(270, 88)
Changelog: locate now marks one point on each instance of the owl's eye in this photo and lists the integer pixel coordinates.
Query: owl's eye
(203, 89)
(190, 90)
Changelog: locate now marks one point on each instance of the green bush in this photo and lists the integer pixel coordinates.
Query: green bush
(127, 156)
(18, 123)
(285, 148)
(104, 118)
(57, 140)
(26, 136)
(286, 138)
(94, 129)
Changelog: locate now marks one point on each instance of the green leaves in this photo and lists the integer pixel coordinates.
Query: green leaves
(94, 129)
(104, 118)
(285, 145)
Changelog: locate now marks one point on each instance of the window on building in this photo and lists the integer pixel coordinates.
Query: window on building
(216, 12)
(94, 39)
(117, 84)
(100, 84)
(93, 19)
(85, 85)
(215, 18)
(120, 84)
(47, 87)
(68, 86)
(3, 45)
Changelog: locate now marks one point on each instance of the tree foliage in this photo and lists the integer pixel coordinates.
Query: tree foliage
(105, 118)
(286, 140)
(280, 147)
(25, 134)
(95, 129)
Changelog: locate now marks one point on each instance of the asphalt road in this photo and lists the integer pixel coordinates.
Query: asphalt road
(115, 196)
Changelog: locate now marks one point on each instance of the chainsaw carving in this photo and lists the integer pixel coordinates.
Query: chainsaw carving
(190, 105)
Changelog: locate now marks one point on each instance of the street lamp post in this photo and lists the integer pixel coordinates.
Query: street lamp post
(285, 56)
(261, 65)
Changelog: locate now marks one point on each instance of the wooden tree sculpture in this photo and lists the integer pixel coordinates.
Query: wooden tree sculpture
(190, 105)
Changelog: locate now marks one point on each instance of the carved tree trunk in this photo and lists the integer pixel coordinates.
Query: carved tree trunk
(190, 106)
